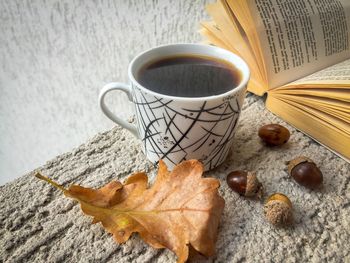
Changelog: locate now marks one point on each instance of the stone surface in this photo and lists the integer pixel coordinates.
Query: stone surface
(39, 224)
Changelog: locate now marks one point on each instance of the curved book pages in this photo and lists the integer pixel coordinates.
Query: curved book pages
(299, 55)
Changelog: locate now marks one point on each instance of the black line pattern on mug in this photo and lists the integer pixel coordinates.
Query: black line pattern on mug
(174, 139)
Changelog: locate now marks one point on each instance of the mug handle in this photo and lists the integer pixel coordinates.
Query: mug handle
(101, 99)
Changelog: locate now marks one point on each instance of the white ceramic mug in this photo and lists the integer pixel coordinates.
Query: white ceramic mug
(181, 128)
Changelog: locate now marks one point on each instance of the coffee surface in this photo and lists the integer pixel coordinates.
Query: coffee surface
(189, 76)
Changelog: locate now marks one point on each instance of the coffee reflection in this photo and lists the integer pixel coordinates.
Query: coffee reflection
(189, 76)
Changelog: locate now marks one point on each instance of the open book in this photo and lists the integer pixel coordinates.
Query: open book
(299, 54)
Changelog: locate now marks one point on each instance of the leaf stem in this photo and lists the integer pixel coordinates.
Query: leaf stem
(112, 210)
(47, 179)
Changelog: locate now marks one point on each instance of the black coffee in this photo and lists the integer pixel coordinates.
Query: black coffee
(189, 76)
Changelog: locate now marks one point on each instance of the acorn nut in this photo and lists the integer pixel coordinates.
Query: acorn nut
(305, 172)
(245, 183)
(274, 134)
(278, 210)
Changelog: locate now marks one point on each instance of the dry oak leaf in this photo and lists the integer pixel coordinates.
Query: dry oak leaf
(181, 208)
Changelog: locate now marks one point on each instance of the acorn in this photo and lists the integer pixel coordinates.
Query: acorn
(305, 172)
(274, 134)
(245, 183)
(278, 210)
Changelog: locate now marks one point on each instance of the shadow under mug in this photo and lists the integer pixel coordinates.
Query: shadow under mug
(182, 128)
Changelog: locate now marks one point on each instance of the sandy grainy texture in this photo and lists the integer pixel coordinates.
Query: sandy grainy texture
(39, 224)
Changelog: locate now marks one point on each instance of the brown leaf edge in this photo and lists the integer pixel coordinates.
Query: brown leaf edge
(93, 202)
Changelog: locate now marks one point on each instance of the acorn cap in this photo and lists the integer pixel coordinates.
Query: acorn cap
(278, 212)
(280, 197)
(254, 187)
(296, 161)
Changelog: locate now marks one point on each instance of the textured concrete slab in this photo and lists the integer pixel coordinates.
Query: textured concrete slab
(39, 224)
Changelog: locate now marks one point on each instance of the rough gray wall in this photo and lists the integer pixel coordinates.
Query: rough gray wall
(56, 55)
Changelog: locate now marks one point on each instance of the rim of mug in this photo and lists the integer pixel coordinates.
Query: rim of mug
(243, 83)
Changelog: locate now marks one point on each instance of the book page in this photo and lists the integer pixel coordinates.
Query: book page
(228, 30)
(335, 108)
(325, 132)
(336, 94)
(301, 37)
(338, 74)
